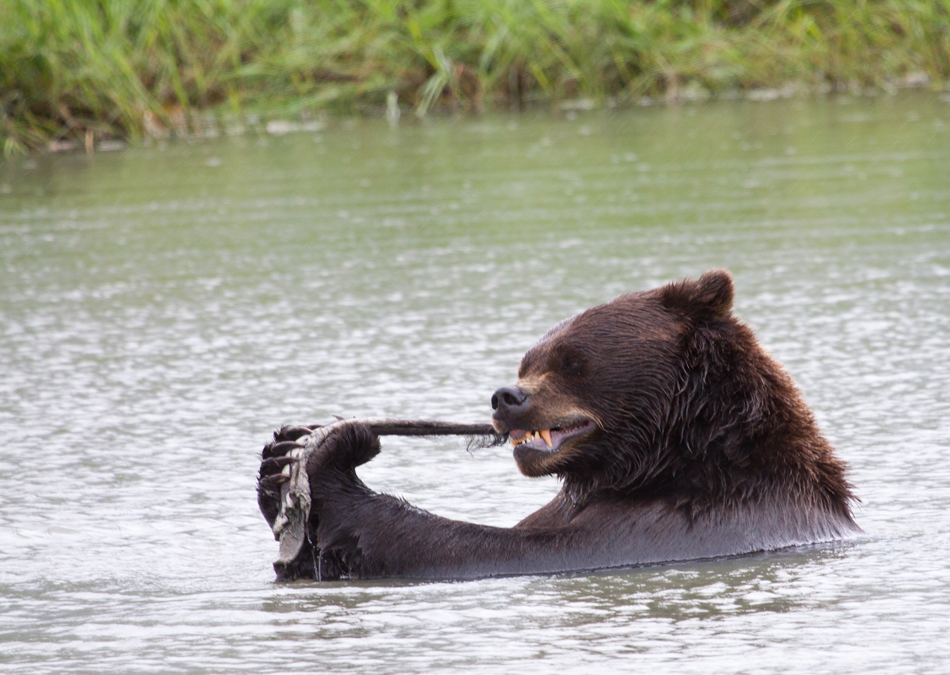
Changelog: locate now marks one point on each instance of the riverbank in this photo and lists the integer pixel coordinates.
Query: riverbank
(78, 75)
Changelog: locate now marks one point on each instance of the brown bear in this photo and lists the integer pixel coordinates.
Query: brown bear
(675, 435)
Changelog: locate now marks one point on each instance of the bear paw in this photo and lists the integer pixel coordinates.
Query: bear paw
(300, 461)
(277, 459)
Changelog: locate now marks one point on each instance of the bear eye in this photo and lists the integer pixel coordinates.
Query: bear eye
(570, 362)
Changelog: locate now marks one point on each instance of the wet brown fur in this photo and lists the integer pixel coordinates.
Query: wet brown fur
(702, 447)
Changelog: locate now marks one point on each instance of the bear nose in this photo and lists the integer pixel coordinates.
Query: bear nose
(510, 401)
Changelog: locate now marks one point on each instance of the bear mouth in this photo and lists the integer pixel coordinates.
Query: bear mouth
(551, 439)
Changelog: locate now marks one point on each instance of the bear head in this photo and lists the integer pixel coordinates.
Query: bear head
(664, 392)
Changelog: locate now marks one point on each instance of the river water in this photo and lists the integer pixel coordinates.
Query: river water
(163, 309)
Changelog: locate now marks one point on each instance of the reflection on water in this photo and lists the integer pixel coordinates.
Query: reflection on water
(163, 309)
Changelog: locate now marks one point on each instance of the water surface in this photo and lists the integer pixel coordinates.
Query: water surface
(163, 309)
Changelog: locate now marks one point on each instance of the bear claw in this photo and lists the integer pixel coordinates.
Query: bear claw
(276, 449)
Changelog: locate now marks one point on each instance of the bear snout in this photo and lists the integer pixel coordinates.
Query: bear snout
(509, 403)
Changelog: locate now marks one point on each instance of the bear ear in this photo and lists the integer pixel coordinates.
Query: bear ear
(711, 294)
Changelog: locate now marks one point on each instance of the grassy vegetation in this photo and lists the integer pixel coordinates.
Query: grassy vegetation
(87, 69)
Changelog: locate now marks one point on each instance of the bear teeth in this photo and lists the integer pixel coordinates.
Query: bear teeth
(533, 436)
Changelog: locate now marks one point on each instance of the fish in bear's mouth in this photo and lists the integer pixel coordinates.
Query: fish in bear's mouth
(549, 440)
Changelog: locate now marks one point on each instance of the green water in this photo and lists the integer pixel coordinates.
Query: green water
(162, 309)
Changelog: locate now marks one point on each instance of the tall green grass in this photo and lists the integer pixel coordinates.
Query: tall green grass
(85, 69)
